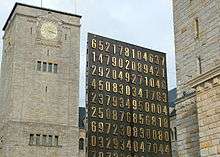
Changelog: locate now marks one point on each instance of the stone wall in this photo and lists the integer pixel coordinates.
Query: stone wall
(36, 103)
(196, 26)
(208, 105)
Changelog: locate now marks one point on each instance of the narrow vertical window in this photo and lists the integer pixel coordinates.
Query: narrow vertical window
(56, 141)
(31, 30)
(55, 68)
(199, 64)
(48, 52)
(81, 144)
(38, 65)
(31, 140)
(44, 140)
(38, 139)
(196, 23)
(50, 140)
(175, 133)
(50, 67)
(171, 133)
(44, 66)
(65, 36)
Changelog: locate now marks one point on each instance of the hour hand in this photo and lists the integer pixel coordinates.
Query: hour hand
(52, 32)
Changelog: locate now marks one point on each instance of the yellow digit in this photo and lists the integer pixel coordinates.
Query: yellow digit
(101, 71)
(127, 52)
(154, 121)
(139, 67)
(142, 132)
(121, 102)
(108, 86)
(151, 70)
(114, 101)
(93, 141)
(93, 126)
(128, 116)
(166, 136)
(115, 115)
(101, 46)
(133, 66)
(141, 118)
(129, 131)
(135, 132)
(94, 43)
(100, 113)
(139, 55)
(154, 135)
(135, 146)
(127, 77)
(135, 118)
(121, 89)
(114, 61)
(153, 108)
(120, 63)
(100, 142)
(160, 135)
(115, 87)
(145, 57)
(93, 84)
(101, 86)
(142, 147)
(101, 127)
(134, 104)
(151, 58)
(107, 46)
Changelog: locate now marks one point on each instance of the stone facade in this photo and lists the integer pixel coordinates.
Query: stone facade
(207, 88)
(39, 107)
(173, 132)
(196, 26)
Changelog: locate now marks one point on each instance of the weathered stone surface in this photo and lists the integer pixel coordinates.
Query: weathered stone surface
(36, 102)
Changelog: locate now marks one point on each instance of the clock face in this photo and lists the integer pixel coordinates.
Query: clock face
(49, 30)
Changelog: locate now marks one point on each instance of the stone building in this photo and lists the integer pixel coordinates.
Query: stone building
(40, 83)
(197, 44)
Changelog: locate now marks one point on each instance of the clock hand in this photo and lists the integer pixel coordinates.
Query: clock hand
(52, 32)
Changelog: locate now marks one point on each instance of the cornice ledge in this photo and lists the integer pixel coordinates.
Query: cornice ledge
(203, 78)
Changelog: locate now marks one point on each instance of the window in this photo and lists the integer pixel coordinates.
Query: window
(55, 68)
(31, 140)
(56, 141)
(37, 139)
(44, 66)
(81, 144)
(171, 133)
(47, 67)
(199, 65)
(50, 140)
(196, 23)
(50, 67)
(44, 140)
(175, 133)
(38, 65)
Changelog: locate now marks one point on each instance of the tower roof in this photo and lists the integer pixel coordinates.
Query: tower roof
(35, 7)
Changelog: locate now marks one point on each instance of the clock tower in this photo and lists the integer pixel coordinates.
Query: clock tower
(39, 87)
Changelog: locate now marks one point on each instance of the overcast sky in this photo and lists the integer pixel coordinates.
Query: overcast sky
(146, 23)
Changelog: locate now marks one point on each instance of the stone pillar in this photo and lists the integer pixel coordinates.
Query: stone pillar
(207, 88)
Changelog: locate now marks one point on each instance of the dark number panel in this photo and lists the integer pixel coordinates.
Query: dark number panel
(128, 113)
